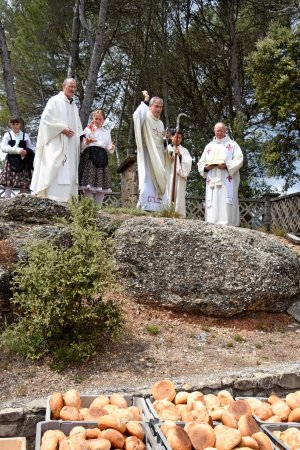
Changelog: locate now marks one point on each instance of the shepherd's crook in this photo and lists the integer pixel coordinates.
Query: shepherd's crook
(175, 158)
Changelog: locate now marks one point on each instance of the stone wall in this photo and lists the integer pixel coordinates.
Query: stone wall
(21, 420)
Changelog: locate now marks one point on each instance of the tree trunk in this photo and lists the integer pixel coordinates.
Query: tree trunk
(95, 64)
(8, 78)
(74, 51)
(234, 64)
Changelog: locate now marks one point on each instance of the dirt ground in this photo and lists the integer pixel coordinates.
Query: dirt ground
(159, 343)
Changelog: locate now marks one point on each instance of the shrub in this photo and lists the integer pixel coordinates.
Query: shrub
(58, 294)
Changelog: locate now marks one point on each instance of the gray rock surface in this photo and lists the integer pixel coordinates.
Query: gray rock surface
(27, 208)
(213, 269)
(180, 264)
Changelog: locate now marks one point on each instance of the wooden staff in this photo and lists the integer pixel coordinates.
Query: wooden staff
(173, 197)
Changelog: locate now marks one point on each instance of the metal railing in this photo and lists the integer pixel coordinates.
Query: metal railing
(270, 211)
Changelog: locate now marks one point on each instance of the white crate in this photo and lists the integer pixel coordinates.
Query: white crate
(270, 427)
(86, 401)
(66, 427)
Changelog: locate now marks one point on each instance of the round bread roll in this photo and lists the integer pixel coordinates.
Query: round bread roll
(99, 444)
(294, 415)
(111, 421)
(201, 436)
(134, 428)
(263, 441)
(195, 396)
(196, 416)
(181, 397)
(78, 431)
(197, 405)
(116, 438)
(247, 425)
(229, 420)
(163, 390)
(264, 411)
(211, 401)
(51, 443)
(93, 433)
(70, 413)
(135, 412)
(281, 409)
(100, 401)
(293, 400)
(118, 400)
(134, 443)
(290, 436)
(225, 397)
(169, 412)
(124, 414)
(216, 413)
(84, 413)
(166, 425)
(72, 398)
(110, 408)
(94, 413)
(178, 438)
(239, 407)
(273, 419)
(159, 404)
(253, 402)
(226, 438)
(74, 443)
(249, 442)
(56, 403)
(273, 399)
(277, 433)
(57, 433)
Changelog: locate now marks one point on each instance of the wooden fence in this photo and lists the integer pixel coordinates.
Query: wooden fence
(270, 211)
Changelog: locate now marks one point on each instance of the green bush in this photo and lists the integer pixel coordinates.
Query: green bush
(58, 294)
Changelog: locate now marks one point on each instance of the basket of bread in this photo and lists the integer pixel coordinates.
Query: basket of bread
(72, 406)
(286, 436)
(112, 433)
(274, 409)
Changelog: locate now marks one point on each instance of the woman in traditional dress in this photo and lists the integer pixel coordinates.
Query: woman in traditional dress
(18, 164)
(94, 175)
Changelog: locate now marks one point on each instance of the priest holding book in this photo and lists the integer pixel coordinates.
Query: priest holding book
(219, 165)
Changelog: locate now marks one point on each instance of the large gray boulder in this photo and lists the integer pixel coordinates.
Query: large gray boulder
(212, 269)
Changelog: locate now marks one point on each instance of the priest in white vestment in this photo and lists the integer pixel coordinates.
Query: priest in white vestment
(177, 187)
(152, 157)
(55, 174)
(219, 165)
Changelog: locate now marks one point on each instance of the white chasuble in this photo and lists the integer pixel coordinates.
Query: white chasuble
(152, 160)
(221, 196)
(183, 168)
(55, 174)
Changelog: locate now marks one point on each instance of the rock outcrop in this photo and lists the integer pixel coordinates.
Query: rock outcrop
(185, 265)
(215, 270)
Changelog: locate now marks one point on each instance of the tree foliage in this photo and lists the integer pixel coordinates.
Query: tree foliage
(193, 53)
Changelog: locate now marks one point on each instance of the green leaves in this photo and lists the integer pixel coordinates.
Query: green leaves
(58, 294)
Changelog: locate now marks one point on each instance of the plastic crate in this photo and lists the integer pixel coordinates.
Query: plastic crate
(269, 428)
(258, 420)
(86, 401)
(66, 427)
(162, 441)
(14, 443)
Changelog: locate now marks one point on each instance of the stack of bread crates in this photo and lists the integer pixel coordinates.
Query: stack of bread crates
(91, 429)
